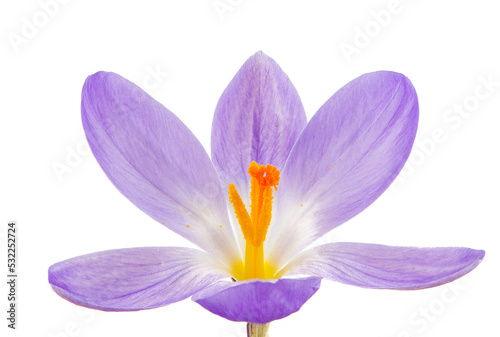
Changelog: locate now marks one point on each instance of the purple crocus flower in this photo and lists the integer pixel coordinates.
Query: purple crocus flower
(274, 185)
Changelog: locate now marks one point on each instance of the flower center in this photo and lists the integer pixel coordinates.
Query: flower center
(255, 225)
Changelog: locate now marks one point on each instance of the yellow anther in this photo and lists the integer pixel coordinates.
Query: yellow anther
(241, 213)
(264, 217)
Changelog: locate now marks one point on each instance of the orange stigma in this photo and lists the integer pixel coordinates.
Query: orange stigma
(255, 225)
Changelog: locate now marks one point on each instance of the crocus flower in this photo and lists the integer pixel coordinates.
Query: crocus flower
(273, 185)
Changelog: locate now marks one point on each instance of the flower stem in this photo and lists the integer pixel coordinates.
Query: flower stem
(257, 330)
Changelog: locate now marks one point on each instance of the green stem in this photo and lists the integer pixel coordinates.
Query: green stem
(257, 330)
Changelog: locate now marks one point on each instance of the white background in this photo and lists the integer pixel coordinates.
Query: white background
(448, 197)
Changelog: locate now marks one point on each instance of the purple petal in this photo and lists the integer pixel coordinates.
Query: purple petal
(156, 162)
(134, 278)
(385, 267)
(257, 301)
(349, 153)
(258, 118)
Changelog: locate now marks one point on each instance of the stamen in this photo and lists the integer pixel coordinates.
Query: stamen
(264, 217)
(241, 213)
